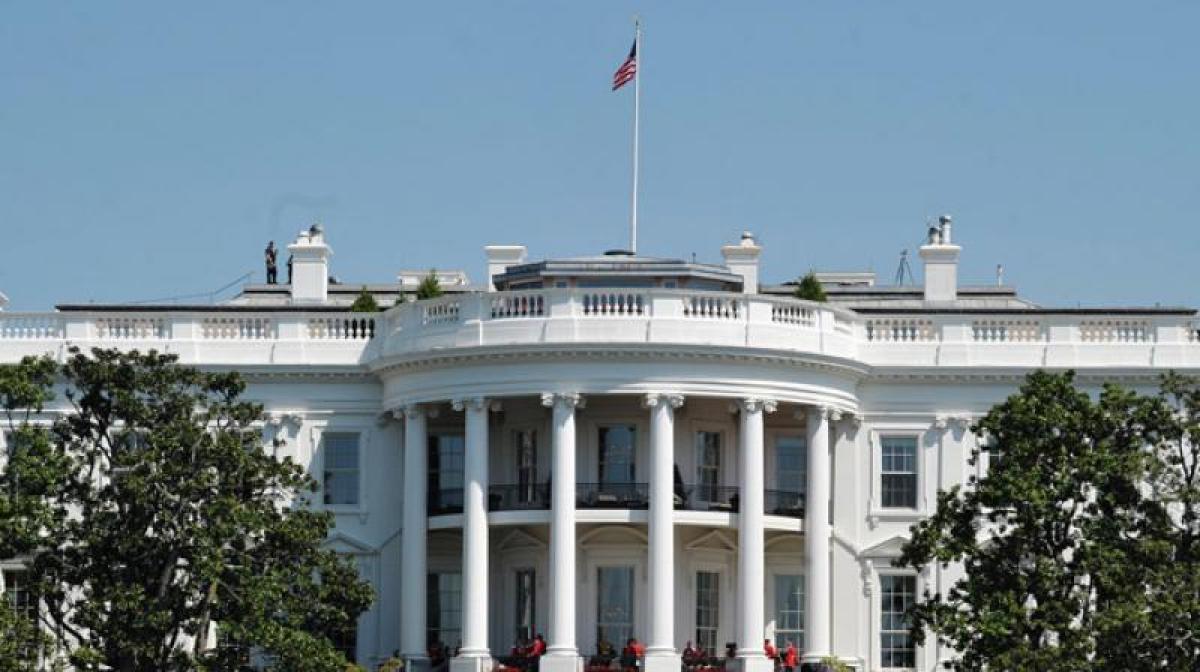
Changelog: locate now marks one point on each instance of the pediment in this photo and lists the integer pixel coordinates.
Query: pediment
(713, 541)
(888, 548)
(520, 540)
(612, 535)
(340, 542)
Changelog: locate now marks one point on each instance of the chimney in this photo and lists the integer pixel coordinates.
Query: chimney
(941, 263)
(499, 258)
(310, 266)
(742, 259)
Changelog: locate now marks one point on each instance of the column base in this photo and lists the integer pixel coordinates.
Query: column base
(480, 663)
(665, 661)
(562, 662)
(758, 663)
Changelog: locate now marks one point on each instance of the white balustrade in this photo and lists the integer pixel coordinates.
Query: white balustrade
(900, 330)
(1006, 331)
(782, 313)
(517, 305)
(130, 328)
(613, 304)
(346, 327)
(15, 326)
(440, 311)
(239, 328)
(712, 306)
(1115, 331)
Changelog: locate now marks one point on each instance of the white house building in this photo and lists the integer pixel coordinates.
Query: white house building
(621, 446)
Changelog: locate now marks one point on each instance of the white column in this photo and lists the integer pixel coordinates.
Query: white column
(561, 652)
(751, 573)
(817, 590)
(412, 570)
(474, 655)
(660, 649)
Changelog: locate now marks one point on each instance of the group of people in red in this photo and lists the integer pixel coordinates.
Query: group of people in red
(525, 654)
(696, 659)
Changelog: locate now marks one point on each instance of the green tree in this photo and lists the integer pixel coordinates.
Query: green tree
(20, 641)
(153, 513)
(1059, 563)
(365, 302)
(430, 287)
(810, 288)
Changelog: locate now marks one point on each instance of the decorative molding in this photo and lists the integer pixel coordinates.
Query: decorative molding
(653, 399)
(570, 399)
(475, 404)
(753, 405)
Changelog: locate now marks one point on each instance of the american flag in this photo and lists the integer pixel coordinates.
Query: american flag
(628, 69)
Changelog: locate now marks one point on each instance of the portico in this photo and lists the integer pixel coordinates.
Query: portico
(721, 479)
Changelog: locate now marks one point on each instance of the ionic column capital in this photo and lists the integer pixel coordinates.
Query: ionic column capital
(567, 399)
(753, 405)
(414, 411)
(653, 399)
(475, 404)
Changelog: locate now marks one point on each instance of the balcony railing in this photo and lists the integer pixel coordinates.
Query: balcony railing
(612, 495)
(784, 503)
(711, 498)
(445, 501)
(528, 497)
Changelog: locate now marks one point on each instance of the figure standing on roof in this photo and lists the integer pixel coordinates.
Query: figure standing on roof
(272, 270)
(289, 269)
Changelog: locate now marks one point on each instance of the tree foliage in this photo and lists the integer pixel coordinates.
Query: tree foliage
(153, 514)
(810, 288)
(1074, 549)
(430, 287)
(365, 302)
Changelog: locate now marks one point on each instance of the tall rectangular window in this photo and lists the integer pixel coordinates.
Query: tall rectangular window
(341, 469)
(789, 610)
(19, 594)
(617, 446)
(614, 605)
(899, 472)
(526, 445)
(791, 463)
(896, 595)
(445, 462)
(526, 604)
(443, 609)
(708, 466)
(708, 610)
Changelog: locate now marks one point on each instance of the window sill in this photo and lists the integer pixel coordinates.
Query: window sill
(895, 515)
(348, 510)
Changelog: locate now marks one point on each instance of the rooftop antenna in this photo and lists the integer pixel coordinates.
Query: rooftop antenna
(999, 275)
(904, 270)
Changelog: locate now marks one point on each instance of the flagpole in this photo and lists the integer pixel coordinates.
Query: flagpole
(637, 103)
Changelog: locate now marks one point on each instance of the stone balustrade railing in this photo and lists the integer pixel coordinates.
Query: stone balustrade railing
(659, 317)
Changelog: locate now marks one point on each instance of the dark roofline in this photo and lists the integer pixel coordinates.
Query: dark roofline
(194, 308)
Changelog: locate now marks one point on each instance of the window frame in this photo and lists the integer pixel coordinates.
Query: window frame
(908, 499)
(776, 610)
(920, 433)
(633, 602)
(326, 469)
(714, 608)
(601, 427)
(455, 604)
(878, 631)
(717, 471)
(532, 472)
(532, 606)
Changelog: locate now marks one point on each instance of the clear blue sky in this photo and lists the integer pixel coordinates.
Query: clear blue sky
(151, 149)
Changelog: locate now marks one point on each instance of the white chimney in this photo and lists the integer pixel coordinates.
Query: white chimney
(742, 259)
(941, 263)
(499, 258)
(310, 266)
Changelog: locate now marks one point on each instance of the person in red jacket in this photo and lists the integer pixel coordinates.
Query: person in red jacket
(769, 649)
(538, 647)
(790, 657)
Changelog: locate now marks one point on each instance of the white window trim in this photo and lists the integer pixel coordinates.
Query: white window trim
(727, 455)
(877, 512)
(539, 450)
(593, 423)
(364, 439)
(875, 568)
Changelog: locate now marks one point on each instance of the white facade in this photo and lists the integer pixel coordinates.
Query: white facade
(583, 460)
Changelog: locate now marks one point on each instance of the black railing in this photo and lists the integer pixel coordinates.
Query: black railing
(712, 498)
(784, 503)
(529, 497)
(612, 495)
(444, 501)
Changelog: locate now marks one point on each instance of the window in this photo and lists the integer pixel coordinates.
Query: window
(708, 466)
(18, 593)
(896, 595)
(899, 472)
(443, 609)
(526, 601)
(445, 462)
(341, 469)
(526, 443)
(791, 463)
(617, 444)
(789, 610)
(708, 609)
(614, 605)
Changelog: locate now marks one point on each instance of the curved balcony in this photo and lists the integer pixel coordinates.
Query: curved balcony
(612, 495)
(444, 501)
(784, 503)
(634, 496)
(525, 497)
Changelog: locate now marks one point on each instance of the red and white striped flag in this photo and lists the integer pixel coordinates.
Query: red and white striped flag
(628, 69)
